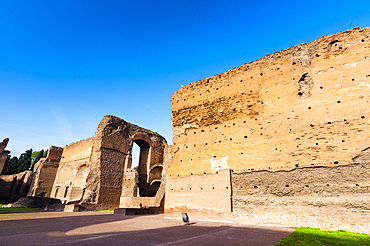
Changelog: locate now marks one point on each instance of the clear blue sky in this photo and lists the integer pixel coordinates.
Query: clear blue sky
(65, 64)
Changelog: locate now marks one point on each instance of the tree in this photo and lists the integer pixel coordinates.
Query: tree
(45, 154)
(36, 156)
(24, 162)
(10, 166)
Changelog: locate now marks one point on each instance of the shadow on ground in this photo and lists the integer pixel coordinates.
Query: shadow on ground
(97, 228)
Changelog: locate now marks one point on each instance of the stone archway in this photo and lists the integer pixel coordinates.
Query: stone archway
(111, 181)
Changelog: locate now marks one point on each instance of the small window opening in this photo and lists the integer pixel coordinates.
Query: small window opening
(66, 191)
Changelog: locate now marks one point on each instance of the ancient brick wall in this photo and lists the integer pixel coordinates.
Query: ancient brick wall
(327, 197)
(45, 171)
(306, 106)
(15, 186)
(208, 194)
(111, 182)
(72, 172)
(77, 151)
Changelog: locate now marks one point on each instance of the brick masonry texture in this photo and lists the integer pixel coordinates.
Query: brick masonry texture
(327, 197)
(294, 124)
(74, 164)
(96, 173)
(111, 181)
(210, 193)
(306, 106)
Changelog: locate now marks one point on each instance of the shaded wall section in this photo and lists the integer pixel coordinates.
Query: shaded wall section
(330, 198)
(15, 186)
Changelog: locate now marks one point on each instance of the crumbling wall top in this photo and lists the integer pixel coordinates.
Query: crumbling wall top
(54, 153)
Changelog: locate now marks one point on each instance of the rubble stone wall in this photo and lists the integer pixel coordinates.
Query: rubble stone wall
(331, 198)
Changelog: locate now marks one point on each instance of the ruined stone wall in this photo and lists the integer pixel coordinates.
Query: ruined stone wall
(293, 118)
(304, 106)
(44, 173)
(331, 198)
(14, 186)
(77, 151)
(107, 182)
(43, 179)
(207, 194)
(72, 171)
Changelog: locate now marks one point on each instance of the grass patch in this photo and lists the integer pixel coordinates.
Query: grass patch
(111, 209)
(311, 236)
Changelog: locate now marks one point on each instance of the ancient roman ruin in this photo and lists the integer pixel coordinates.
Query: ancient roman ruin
(281, 140)
(96, 173)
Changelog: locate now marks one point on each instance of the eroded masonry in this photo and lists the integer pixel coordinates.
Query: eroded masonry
(284, 139)
(281, 140)
(96, 172)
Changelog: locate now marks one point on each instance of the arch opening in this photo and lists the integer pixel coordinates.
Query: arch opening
(140, 162)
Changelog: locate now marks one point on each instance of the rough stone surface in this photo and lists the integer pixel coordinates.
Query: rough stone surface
(202, 195)
(293, 127)
(111, 160)
(3, 144)
(96, 173)
(3, 156)
(72, 170)
(331, 198)
(44, 173)
(15, 186)
(257, 116)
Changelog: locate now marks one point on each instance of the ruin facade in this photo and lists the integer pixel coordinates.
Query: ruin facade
(286, 135)
(14, 186)
(111, 182)
(96, 173)
(281, 140)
